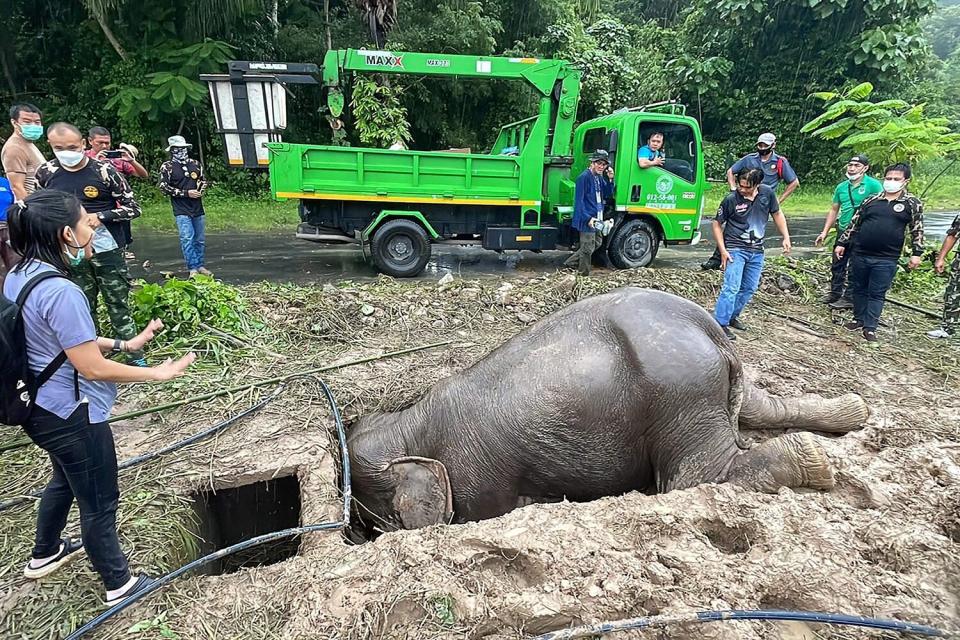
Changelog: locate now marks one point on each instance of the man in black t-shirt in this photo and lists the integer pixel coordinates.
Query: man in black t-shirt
(876, 235)
(739, 229)
(181, 178)
(107, 197)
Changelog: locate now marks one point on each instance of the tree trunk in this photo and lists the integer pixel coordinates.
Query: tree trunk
(326, 23)
(112, 39)
(8, 73)
(275, 16)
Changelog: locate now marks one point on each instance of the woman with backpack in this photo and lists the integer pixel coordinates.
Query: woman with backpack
(75, 388)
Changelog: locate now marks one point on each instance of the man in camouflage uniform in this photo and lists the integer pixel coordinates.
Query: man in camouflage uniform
(951, 297)
(108, 199)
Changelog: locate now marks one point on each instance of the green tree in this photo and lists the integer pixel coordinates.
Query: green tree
(887, 131)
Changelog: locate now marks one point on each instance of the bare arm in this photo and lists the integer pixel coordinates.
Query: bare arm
(138, 169)
(789, 189)
(646, 164)
(781, 221)
(731, 181)
(87, 359)
(18, 184)
(828, 223)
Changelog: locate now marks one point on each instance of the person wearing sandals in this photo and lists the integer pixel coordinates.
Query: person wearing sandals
(69, 418)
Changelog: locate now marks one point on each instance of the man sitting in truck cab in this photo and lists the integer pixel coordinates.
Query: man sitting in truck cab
(651, 154)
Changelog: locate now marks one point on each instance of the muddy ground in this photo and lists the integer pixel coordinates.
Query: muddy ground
(885, 542)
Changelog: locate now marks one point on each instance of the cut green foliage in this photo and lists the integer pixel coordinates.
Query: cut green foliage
(184, 305)
(154, 628)
(381, 119)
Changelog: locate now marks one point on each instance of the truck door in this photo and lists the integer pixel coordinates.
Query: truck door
(672, 192)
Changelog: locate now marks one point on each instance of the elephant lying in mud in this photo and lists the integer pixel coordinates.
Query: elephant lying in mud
(631, 390)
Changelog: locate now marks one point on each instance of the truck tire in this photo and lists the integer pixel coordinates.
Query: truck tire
(634, 244)
(400, 248)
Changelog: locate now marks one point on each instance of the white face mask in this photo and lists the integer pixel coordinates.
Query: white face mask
(853, 176)
(69, 158)
(893, 186)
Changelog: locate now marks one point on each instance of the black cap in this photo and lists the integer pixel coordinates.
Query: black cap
(600, 156)
(862, 159)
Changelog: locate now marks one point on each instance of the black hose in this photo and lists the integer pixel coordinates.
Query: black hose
(132, 462)
(246, 544)
(649, 622)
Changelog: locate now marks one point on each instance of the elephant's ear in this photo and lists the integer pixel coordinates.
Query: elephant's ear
(423, 496)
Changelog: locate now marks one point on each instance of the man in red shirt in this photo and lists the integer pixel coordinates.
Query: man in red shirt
(100, 144)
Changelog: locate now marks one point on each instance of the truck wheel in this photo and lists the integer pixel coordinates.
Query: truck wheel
(400, 248)
(635, 244)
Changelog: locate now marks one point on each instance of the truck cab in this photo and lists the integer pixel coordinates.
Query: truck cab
(653, 205)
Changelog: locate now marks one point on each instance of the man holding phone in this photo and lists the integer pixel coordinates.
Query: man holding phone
(123, 159)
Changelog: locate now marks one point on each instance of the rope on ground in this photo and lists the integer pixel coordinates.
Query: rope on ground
(246, 544)
(652, 622)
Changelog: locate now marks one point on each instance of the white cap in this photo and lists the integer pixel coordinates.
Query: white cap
(767, 138)
(177, 141)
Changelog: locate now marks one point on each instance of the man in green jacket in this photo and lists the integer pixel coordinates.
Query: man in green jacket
(847, 198)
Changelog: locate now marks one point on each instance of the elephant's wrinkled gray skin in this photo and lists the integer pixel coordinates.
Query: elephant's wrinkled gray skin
(631, 390)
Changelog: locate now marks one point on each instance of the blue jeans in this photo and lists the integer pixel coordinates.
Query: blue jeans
(192, 242)
(741, 277)
(84, 464)
(870, 279)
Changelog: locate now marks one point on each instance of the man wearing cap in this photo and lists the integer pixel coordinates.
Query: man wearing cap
(100, 142)
(847, 198)
(592, 188)
(774, 167)
(181, 178)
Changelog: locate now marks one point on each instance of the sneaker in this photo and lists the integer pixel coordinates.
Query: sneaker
(69, 549)
(842, 303)
(729, 334)
(940, 333)
(129, 255)
(854, 325)
(142, 583)
(205, 271)
(193, 273)
(830, 297)
(736, 324)
(869, 336)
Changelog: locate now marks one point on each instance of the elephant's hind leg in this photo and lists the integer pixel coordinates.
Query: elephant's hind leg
(793, 460)
(760, 410)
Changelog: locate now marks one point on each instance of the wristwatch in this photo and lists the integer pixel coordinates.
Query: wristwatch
(116, 346)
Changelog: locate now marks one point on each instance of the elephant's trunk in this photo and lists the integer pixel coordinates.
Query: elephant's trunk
(793, 460)
(760, 410)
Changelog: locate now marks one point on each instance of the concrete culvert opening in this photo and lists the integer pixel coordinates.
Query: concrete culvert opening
(230, 515)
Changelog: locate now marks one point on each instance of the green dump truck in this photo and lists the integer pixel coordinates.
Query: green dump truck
(396, 204)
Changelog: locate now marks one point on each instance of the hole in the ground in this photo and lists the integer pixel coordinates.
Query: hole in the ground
(233, 514)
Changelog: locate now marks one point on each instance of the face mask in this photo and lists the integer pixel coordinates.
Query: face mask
(77, 260)
(69, 158)
(893, 186)
(31, 132)
(765, 152)
(181, 154)
(853, 177)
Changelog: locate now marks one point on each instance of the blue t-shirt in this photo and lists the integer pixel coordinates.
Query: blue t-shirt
(56, 317)
(6, 198)
(771, 176)
(745, 221)
(646, 153)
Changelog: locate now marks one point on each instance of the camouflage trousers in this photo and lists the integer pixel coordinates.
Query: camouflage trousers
(951, 299)
(105, 274)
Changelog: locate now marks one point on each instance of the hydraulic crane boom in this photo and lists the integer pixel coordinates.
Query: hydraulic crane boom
(556, 81)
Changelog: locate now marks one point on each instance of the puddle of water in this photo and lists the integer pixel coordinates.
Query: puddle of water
(279, 257)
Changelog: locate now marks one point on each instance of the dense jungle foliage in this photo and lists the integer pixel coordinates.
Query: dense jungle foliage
(742, 66)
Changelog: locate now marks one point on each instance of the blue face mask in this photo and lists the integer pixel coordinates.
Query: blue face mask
(31, 132)
(77, 260)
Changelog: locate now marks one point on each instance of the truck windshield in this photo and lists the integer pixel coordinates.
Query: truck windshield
(679, 147)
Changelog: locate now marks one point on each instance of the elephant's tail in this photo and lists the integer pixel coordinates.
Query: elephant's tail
(735, 396)
(760, 410)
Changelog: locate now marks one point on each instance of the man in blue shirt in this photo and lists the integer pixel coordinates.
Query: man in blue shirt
(774, 167)
(739, 229)
(651, 154)
(593, 186)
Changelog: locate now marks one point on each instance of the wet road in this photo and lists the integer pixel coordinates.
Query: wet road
(240, 258)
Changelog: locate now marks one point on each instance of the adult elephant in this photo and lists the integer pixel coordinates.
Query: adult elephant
(633, 390)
